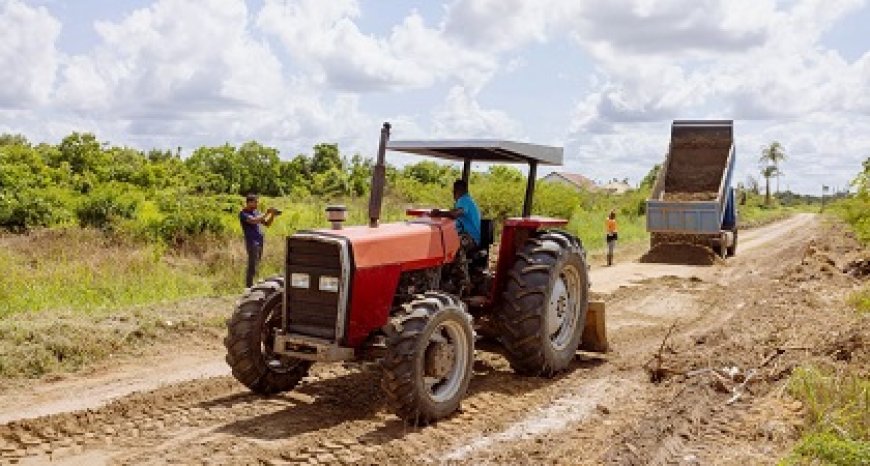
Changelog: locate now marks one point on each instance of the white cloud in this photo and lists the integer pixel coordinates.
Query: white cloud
(28, 58)
(498, 25)
(174, 58)
(191, 73)
(325, 39)
(461, 116)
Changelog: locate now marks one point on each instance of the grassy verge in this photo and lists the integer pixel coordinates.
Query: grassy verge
(86, 272)
(838, 417)
(756, 214)
(35, 344)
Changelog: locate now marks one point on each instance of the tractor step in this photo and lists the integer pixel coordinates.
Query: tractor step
(594, 333)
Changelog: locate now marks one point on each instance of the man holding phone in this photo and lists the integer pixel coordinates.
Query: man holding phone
(251, 220)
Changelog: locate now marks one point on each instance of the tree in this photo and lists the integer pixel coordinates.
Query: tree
(768, 172)
(360, 174)
(773, 155)
(326, 158)
(650, 179)
(13, 140)
(84, 154)
(506, 174)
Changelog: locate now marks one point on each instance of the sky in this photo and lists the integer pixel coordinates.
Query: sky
(602, 79)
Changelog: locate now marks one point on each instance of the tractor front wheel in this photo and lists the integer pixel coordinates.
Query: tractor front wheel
(430, 352)
(251, 337)
(545, 304)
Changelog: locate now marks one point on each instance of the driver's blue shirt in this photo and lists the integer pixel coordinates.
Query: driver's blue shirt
(469, 221)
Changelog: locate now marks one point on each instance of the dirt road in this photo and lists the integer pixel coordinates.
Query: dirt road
(603, 410)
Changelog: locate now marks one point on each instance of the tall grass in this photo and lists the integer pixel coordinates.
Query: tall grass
(86, 271)
(838, 417)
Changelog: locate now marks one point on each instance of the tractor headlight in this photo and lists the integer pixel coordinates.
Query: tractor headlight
(300, 280)
(329, 284)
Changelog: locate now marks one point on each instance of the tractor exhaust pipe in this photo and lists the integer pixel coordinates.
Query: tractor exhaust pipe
(379, 175)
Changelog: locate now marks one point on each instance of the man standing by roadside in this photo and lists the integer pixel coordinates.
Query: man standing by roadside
(251, 220)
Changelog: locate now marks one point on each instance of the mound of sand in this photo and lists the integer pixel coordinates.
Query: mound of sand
(702, 196)
(680, 253)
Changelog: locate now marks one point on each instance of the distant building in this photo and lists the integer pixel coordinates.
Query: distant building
(574, 180)
(617, 187)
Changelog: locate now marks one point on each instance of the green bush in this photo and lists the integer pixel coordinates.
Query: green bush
(24, 210)
(190, 217)
(103, 207)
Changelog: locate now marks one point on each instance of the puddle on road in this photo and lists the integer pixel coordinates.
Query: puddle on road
(571, 408)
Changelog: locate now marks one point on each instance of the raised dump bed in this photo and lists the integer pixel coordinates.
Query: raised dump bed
(692, 200)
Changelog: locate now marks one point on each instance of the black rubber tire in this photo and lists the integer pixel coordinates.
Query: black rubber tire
(403, 365)
(732, 250)
(523, 313)
(249, 335)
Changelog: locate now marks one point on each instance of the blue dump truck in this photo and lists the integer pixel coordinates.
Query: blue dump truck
(692, 201)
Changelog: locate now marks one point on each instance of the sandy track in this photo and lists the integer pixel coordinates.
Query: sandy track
(337, 415)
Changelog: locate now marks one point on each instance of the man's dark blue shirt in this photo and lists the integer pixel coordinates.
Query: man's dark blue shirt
(253, 231)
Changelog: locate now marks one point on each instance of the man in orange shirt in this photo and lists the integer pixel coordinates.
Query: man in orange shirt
(612, 235)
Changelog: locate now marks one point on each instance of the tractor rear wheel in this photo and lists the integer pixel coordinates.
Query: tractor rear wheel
(250, 340)
(430, 353)
(545, 304)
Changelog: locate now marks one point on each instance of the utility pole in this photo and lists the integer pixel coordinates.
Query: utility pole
(824, 190)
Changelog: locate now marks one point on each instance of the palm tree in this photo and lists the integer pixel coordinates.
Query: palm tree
(773, 154)
(768, 172)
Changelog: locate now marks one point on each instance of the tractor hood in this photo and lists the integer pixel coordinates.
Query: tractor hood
(411, 245)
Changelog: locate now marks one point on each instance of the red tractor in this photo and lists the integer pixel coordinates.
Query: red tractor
(406, 295)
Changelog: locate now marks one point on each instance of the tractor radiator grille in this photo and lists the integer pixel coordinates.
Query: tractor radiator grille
(310, 311)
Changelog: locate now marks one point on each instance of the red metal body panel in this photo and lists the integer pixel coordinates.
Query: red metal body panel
(420, 243)
(380, 256)
(371, 298)
(514, 234)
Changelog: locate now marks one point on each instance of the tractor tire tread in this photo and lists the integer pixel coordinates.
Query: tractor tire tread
(242, 342)
(525, 296)
(403, 332)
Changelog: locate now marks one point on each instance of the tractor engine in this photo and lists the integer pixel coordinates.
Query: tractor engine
(415, 282)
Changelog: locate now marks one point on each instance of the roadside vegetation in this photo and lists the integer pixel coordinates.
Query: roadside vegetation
(837, 405)
(837, 399)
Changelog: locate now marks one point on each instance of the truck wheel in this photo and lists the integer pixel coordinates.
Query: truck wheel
(544, 304)
(250, 340)
(732, 250)
(428, 364)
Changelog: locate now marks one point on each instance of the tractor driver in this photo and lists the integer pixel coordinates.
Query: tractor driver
(466, 214)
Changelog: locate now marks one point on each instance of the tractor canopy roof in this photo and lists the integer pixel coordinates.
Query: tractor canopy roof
(482, 150)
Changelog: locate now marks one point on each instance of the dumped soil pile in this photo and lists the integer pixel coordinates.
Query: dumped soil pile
(680, 253)
(681, 197)
(838, 257)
